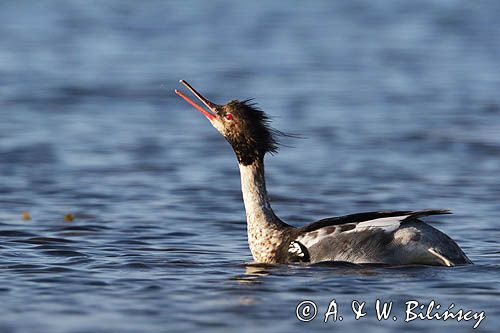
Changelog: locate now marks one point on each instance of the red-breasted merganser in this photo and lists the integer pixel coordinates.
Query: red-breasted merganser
(387, 237)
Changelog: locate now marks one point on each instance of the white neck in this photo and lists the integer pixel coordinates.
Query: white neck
(265, 229)
(253, 186)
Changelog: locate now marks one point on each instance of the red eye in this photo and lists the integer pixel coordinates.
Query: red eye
(229, 116)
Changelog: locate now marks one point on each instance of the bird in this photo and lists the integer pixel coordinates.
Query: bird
(377, 237)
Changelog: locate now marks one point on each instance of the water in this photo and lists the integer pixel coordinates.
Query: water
(398, 104)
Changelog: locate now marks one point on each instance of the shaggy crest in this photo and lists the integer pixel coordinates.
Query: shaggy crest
(250, 134)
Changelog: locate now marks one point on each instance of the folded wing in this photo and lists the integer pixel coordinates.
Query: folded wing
(372, 230)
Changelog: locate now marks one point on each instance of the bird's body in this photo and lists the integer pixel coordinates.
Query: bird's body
(388, 237)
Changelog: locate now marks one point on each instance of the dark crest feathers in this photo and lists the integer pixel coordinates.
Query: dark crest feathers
(255, 137)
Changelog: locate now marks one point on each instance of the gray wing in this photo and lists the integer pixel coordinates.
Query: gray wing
(360, 237)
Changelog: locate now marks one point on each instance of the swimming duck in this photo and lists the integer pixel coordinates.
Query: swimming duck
(382, 237)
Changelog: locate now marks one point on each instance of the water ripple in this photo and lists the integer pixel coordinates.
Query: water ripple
(398, 104)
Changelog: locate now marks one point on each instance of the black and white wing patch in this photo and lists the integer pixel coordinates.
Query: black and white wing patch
(297, 252)
(323, 231)
(372, 216)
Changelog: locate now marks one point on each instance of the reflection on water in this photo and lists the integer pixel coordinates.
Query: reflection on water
(134, 219)
(253, 272)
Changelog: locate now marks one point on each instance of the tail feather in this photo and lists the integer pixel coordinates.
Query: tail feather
(427, 212)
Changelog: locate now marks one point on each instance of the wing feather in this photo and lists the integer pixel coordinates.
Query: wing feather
(368, 216)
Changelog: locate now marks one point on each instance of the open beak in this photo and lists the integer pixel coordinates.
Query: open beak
(211, 114)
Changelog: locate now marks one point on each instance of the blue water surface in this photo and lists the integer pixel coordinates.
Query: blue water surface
(399, 107)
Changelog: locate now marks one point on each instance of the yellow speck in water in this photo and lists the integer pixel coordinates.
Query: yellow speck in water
(26, 216)
(69, 217)
(246, 301)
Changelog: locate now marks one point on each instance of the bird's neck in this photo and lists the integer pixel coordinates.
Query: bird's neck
(253, 186)
(265, 229)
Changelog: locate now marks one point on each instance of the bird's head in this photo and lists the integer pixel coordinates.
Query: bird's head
(244, 126)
